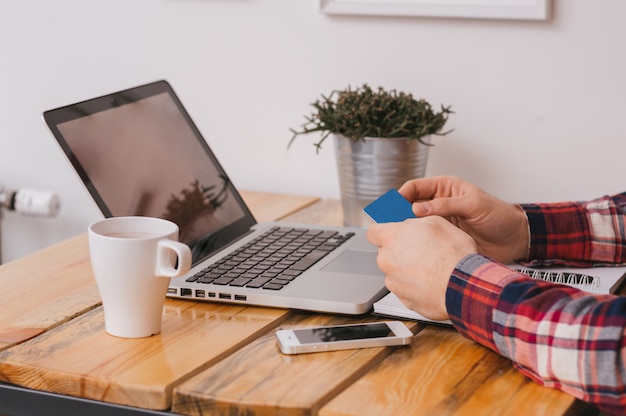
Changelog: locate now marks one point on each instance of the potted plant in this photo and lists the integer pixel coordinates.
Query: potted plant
(381, 140)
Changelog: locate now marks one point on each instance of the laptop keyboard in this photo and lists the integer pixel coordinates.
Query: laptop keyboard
(272, 260)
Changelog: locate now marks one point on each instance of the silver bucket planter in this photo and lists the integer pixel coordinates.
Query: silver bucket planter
(368, 168)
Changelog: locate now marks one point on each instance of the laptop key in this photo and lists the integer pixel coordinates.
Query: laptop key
(292, 273)
(285, 277)
(273, 286)
(309, 260)
(258, 282)
(239, 282)
(223, 281)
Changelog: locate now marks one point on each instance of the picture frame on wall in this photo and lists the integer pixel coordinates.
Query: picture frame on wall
(477, 9)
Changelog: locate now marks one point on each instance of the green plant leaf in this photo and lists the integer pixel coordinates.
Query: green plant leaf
(363, 112)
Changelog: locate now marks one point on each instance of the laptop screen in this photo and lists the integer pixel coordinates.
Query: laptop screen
(139, 153)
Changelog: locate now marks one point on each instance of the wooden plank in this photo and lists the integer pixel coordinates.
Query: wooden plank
(271, 207)
(49, 287)
(45, 289)
(445, 373)
(511, 391)
(80, 359)
(259, 380)
(326, 211)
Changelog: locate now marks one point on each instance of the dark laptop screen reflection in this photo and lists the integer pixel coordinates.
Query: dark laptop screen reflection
(118, 150)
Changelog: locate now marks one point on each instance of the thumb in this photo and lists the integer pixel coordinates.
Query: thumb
(442, 207)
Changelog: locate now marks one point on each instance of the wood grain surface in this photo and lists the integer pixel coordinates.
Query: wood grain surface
(325, 211)
(443, 373)
(260, 380)
(222, 359)
(272, 207)
(80, 359)
(44, 290)
(49, 287)
(50, 298)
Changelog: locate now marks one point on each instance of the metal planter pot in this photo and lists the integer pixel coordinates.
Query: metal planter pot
(368, 168)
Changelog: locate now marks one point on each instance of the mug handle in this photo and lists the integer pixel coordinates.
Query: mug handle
(165, 264)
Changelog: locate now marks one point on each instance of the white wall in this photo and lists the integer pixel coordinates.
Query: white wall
(539, 105)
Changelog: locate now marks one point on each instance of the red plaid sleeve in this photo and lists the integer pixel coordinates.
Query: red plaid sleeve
(557, 335)
(578, 233)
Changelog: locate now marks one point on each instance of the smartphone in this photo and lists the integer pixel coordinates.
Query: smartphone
(343, 337)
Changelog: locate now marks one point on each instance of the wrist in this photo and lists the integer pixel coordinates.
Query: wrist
(522, 241)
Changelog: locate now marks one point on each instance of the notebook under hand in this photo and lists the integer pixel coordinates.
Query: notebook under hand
(138, 152)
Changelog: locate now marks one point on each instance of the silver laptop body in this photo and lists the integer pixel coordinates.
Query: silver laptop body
(138, 152)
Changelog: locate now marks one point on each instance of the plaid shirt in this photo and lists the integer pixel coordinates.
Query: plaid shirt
(558, 336)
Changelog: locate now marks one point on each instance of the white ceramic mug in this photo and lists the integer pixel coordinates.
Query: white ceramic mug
(133, 259)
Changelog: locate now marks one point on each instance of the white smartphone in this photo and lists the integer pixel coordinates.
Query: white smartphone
(343, 337)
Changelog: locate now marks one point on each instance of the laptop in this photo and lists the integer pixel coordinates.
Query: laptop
(138, 152)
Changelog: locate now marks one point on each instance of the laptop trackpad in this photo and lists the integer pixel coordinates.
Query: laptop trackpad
(354, 262)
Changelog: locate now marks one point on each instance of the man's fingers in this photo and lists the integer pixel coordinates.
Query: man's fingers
(444, 207)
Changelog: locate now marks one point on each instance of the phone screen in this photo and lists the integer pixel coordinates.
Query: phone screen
(343, 333)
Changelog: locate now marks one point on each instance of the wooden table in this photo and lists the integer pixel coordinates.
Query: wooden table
(222, 359)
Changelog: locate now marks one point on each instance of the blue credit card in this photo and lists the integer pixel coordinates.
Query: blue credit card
(391, 207)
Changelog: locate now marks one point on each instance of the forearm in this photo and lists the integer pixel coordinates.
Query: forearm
(550, 332)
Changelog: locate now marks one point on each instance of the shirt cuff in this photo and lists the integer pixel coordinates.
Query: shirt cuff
(559, 233)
